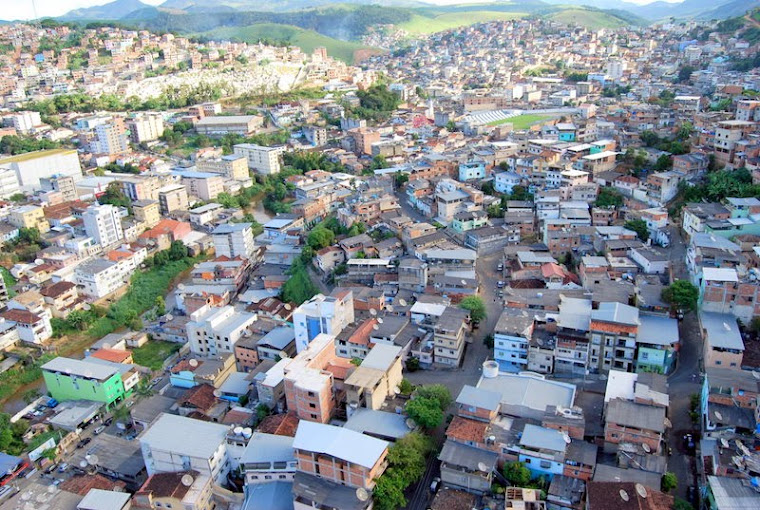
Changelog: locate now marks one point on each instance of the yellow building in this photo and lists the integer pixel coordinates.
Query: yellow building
(29, 216)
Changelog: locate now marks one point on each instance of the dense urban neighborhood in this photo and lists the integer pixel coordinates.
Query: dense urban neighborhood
(509, 264)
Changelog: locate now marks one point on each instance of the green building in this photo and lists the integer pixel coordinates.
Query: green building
(75, 379)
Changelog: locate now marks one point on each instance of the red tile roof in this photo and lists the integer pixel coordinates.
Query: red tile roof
(22, 316)
(112, 355)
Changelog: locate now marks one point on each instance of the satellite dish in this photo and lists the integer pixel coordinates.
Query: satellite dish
(187, 480)
(375, 327)
(483, 467)
(362, 494)
(668, 424)
(193, 362)
(218, 393)
(718, 415)
(169, 317)
(646, 448)
(410, 423)
(389, 308)
(464, 282)
(402, 302)
(83, 464)
(93, 460)
(181, 286)
(566, 438)
(106, 345)
(288, 306)
(624, 495)
(380, 320)
(396, 390)
(256, 300)
(86, 307)
(723, 442)
(39, 261)
(641, 490)
(372, 312)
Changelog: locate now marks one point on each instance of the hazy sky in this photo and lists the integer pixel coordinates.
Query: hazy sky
(23, 9)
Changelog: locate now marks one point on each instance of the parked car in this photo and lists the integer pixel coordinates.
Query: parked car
(500, 284)
(99, 430)
(108, 422)
(435, 484)
(63, 467)
(84, 442)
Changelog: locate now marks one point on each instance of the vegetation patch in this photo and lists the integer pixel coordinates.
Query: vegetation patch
(154, 353)
(521, 121)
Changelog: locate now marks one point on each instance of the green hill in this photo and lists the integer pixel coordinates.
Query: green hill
(589, 18)
(307, 40)
(429, 23)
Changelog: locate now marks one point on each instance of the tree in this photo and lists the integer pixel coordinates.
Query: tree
(400, 178)
(669, 481)
(438, 392)
(299, 286)
(640, 227)
(413, 364)
(476, 307)
(684, 74)
(517, 474)
(178, 250)
(609, 197)
(681, 294)
(405, 387)
(320, 237)
(663, 163)
(160, 305)
(115, 196)
(425, 412)
(388, 493)
(28, 235)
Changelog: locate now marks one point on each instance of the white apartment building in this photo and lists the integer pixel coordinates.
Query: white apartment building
(145, 127)
(323, 314)
(8, 183)
(234, 240)
(103, 224)
(176, 443)
(23, 122)
(264, 160)
(203, 185)
(214, 330)
(99, 277)
(33, 166)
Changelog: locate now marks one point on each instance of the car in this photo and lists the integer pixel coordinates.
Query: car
(688, 442)
(435, 484)
(99, 430)
(108, 422)
(84, 442)
(500, 284)
(500, 267)
(63, 467)
(130, 403)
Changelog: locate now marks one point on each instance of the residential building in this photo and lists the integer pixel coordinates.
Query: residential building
(632, 422)
(176, 443)
(73, 379)
(232, 166)
(261, 159)
(723, 344)
(31, 328)
(29, 216)
(376, 379)
(613, 329)
(511, 336)
(268, 458)
(173, 198)
(308, 384)
(322, 314)
(186, 490)
(233, 124)
(64, 184)
(98, 278)
(103, 224)
(214, 330)
(449, 337)
(110, 139)
(145, 127)
(234, 240)
(203, 185)
(339, 455)
(147, 212)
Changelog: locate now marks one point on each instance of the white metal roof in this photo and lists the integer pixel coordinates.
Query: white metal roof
(339, 442)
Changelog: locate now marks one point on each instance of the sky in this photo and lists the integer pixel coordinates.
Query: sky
(23, 9)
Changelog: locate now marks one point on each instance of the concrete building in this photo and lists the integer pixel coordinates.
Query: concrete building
(323, 314)
(103, 224)
(511, 337)
(147, 212)
(375, 379)
(30, 327)
(64, 184)
(73, 379)
(234, 124)
(232, 166)
(263, 160)
(176, 443)
(214, 330)
(723, 344)
(145, 127)
(203, 185)
(31, 167)
(175, 490)
(613, 330)
(234, 240)
(173, 198)
(448, 337)
(29, 216)
(109, 139)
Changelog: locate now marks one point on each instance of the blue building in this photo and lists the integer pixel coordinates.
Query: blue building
(472, 170)
(543, 450)
(511, 338)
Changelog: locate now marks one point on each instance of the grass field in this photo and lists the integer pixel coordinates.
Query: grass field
(421, 25)
(586, 18)
(521, 121)
(153, 354)
(307, 40)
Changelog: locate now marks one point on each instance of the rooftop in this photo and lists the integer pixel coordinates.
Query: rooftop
(339, 442)
(170, 433)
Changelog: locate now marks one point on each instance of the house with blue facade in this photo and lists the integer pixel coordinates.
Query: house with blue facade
(657, 341)
(543, 450)
(504, 182)
(472, 170)
(566, 131)
(511, 338)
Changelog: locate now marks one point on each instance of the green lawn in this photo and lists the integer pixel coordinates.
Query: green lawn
(154, 353)
(521, 121)
(421, 24)
(593, 20)
(307, 40)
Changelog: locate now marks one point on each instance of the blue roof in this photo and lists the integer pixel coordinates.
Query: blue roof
(378, 423)
(269, 496)
(9, 463)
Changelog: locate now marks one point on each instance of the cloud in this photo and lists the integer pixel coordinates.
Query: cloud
(25, 9)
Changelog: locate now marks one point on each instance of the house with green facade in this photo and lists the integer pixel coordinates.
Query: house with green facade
(657, 343)
(469, 220)
(75, 379)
